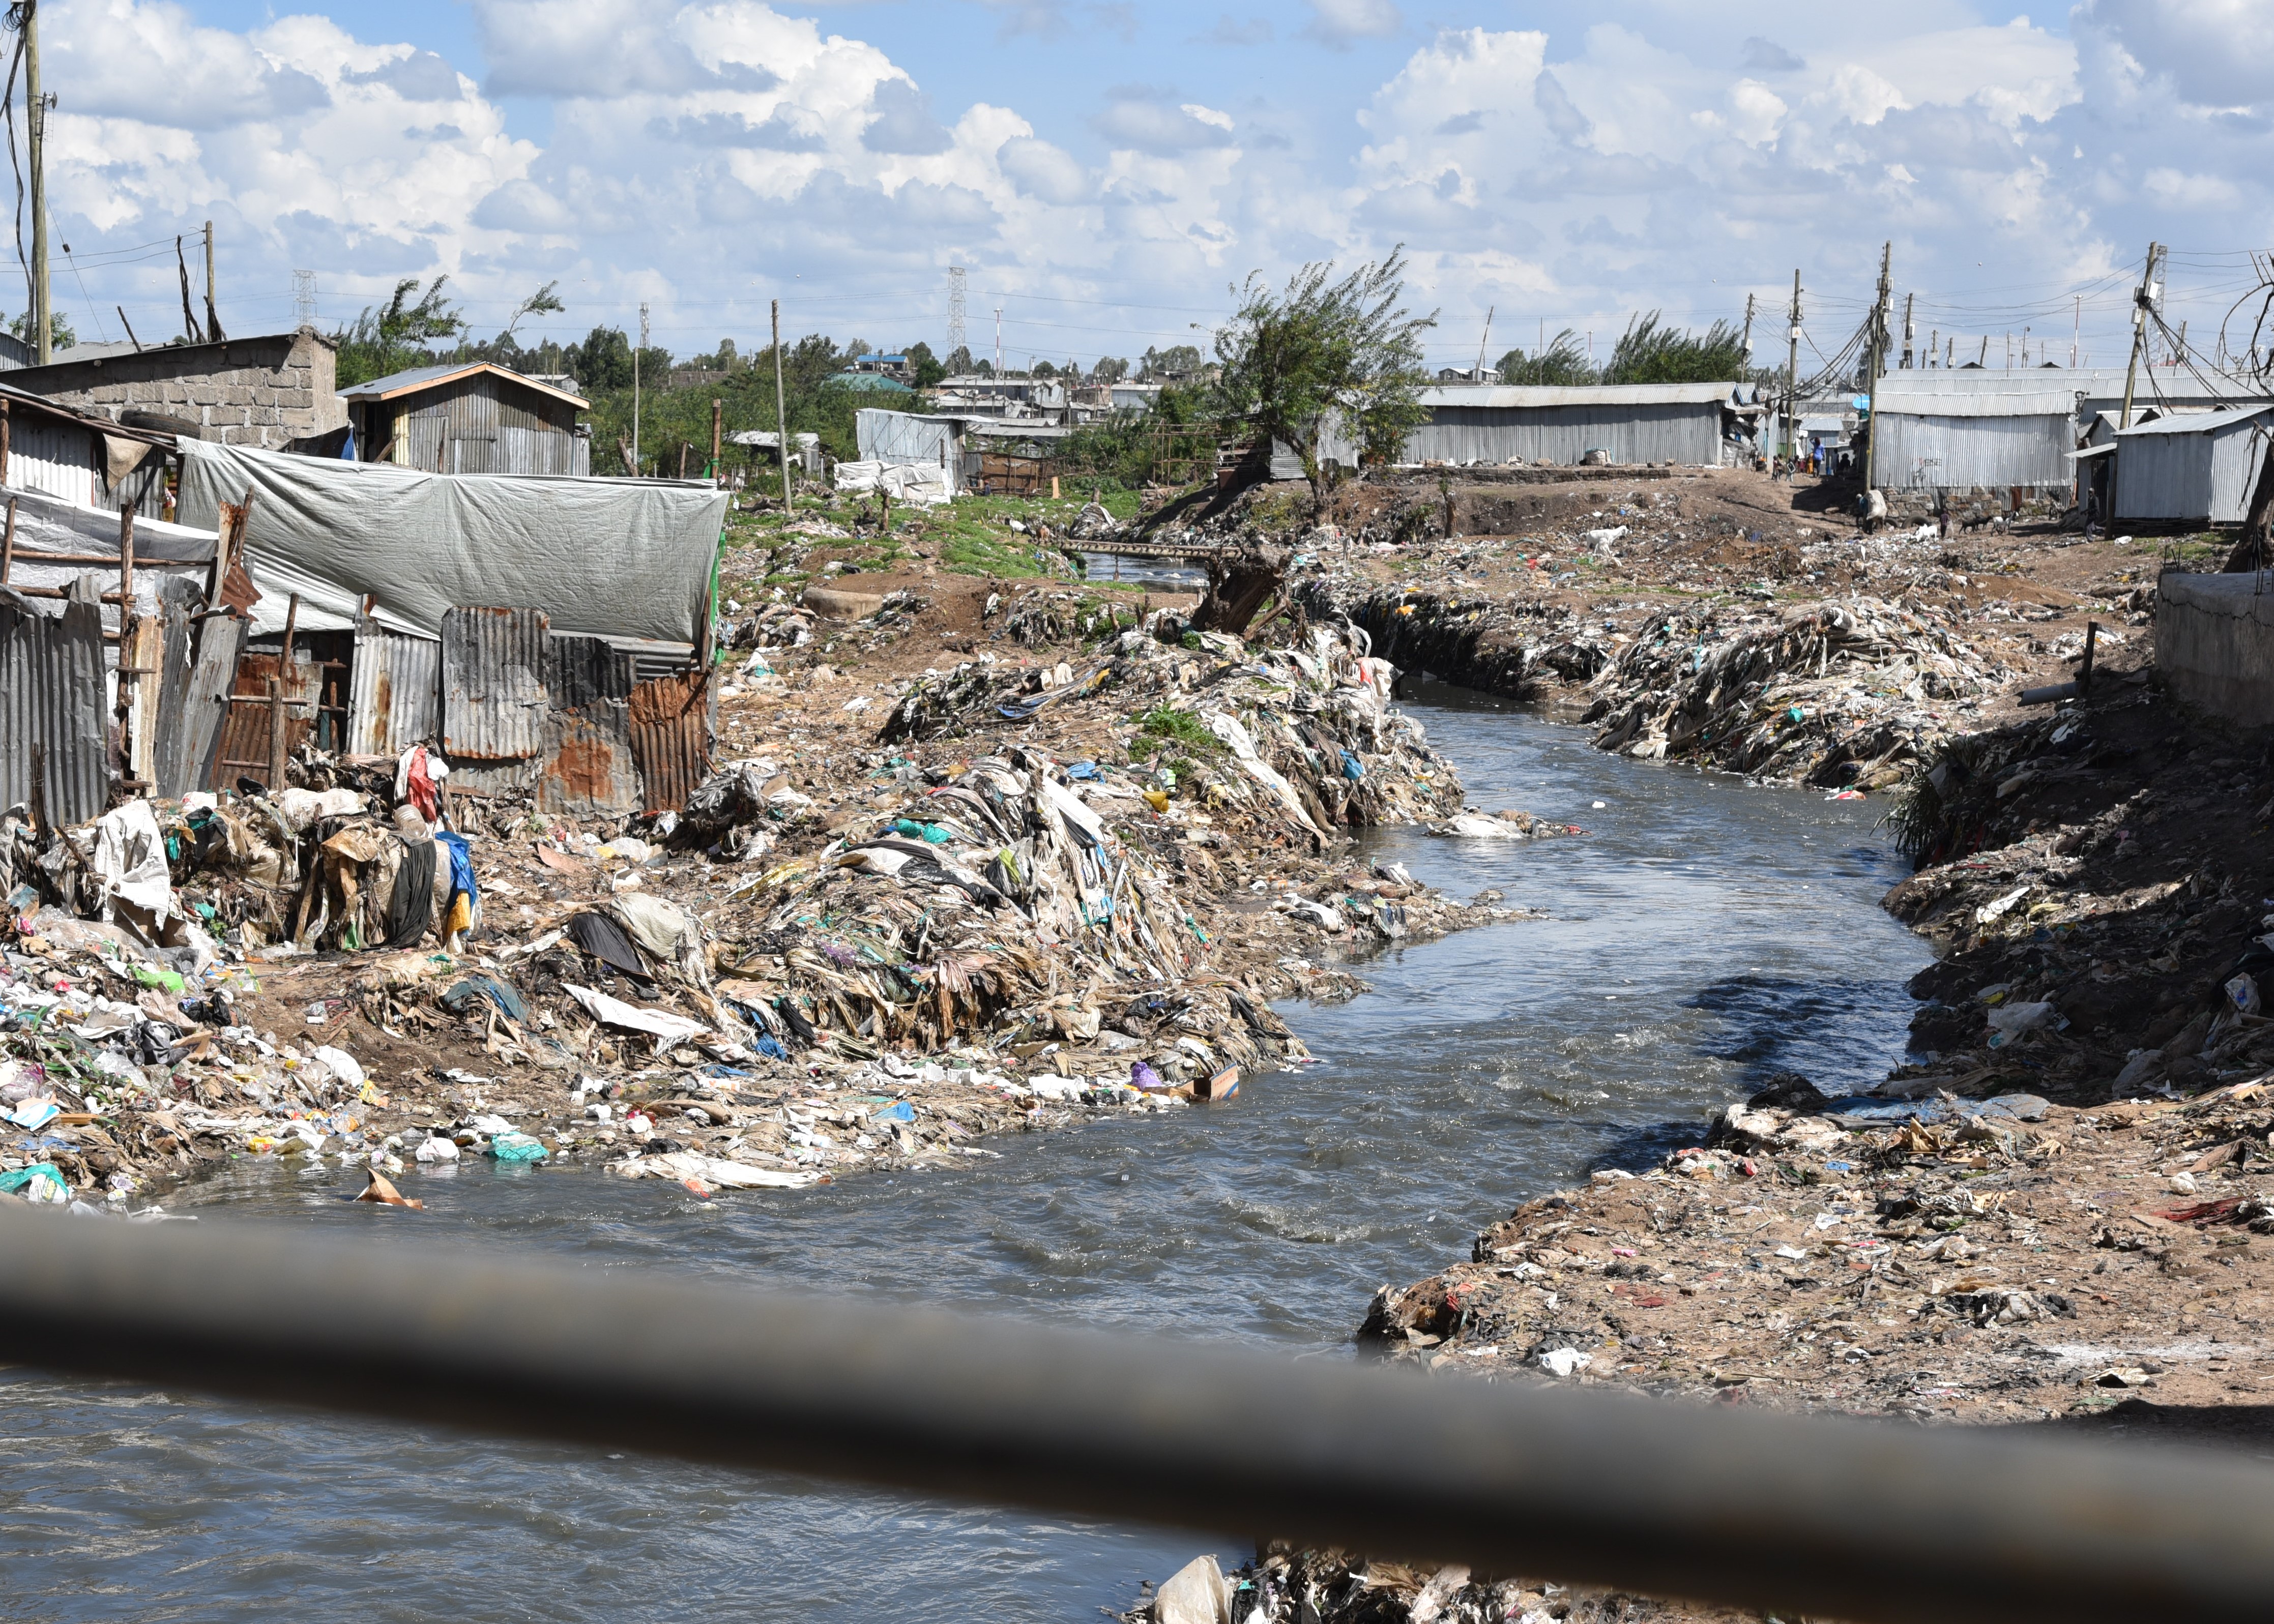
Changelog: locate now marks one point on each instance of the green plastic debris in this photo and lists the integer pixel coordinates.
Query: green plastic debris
(516, 1147)
(168, 979)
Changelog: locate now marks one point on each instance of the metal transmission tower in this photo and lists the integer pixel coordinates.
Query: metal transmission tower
(955, 339)
(304, 298)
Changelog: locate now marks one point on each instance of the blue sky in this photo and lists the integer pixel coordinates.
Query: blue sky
(1104, 170)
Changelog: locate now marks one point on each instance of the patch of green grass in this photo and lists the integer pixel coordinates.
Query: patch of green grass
(1170, 726)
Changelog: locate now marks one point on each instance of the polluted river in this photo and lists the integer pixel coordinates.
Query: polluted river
(1703, 933)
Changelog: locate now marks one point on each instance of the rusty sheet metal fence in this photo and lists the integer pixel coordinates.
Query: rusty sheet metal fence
(188, 763)
(52, 699)
(493, 699)
(395, 691)
(1855, 1519)
(244, 737)
(671, 737)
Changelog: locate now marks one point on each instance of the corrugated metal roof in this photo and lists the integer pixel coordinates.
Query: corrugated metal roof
(416, 378)
(51, 696)
(493, 699)
(1515, 397)
(1899, 399)
(2197, 422)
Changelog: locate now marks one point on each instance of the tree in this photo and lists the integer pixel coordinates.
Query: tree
(603, 361)
(1564, 362)
(1649, 353)
(1168, 365)
(926, 365)
(1111, 369)
(1043, 369)
(958, 361)
(60, 335)
(1291, 361)
(541, 303)
(397, 335)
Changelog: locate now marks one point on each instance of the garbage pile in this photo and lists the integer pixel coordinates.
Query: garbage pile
(1836, 694)
(1290, 1584)
(1525, 647)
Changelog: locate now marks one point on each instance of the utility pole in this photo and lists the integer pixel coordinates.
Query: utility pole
(999, 340)
(2075, 330)
(214, 334)
(717, 426)
(2143, 298)
(35, 120)
(1792, 377)
(635, 390)
(781, 411)
(1880, 311)
(1933, 346)
(1910, 328)
(1747, 343)
(1485, 343)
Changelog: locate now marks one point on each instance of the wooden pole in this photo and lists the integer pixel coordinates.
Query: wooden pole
(125, 563)
(8, 544)
(35, 120)
(275, 736)
(292, 616)
(781, 411)
(718, 428)
(6, 423)
(213, 313)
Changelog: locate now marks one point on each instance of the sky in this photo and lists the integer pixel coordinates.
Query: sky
(1107, 174)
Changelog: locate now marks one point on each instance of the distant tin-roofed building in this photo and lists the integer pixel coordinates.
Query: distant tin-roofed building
(1630, 423)
(471, 417)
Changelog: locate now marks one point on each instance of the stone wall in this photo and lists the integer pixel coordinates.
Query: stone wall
(263, 391)
(2215, 643)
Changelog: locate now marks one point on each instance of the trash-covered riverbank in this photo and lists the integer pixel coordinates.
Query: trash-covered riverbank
(913, 907)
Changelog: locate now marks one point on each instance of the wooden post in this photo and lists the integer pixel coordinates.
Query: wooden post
(781, 411)
(39, 790)
(126, 564)
(8, 544)
(291, 617)
(5, 424)
(275, 736)
(718, 428)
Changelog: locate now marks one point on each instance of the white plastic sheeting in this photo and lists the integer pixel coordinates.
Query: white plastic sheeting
(607, 558)
(920, 483)
(46, 523)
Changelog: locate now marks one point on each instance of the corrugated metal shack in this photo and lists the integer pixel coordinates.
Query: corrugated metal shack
(906, 437)
(479, 418)
(1685, 423)
(1952, 430)
(2196, 468)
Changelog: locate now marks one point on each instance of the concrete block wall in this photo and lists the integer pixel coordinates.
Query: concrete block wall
(2215, 643)
(260, 391)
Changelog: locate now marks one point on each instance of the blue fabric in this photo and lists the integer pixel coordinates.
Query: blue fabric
(462, 867)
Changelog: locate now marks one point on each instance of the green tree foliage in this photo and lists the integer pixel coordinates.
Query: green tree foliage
(603, 362)
(1650, 353)
(925, 365)
(400, 334)
(1043, 369)
(1111, 369)
(1132, 449)
(60, 335)
(1168, 365)
(1325, 346)
(544, 302)
(1564, 361)
(958, 361)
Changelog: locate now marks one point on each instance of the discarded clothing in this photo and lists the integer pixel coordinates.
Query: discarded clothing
(466, 997)
(605, 940)
(466, 895)
(415, 784)
(411, 908)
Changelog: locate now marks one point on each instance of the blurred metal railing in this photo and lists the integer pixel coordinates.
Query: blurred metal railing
(1843, 1518)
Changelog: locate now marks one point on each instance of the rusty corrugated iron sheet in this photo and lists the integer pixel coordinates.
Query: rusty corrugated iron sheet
(671, 739)
(493, 699)
(396, 699)
(51, 695)
(589, 770)
(244, 750)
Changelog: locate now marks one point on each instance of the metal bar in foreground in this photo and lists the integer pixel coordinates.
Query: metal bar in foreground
(1847, 1519)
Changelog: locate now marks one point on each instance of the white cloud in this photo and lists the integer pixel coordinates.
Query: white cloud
(1340, 21)
(1143, 125)
(1042, 171)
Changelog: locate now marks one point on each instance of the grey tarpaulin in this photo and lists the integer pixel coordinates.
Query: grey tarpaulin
(48, 524)
(609, 558)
